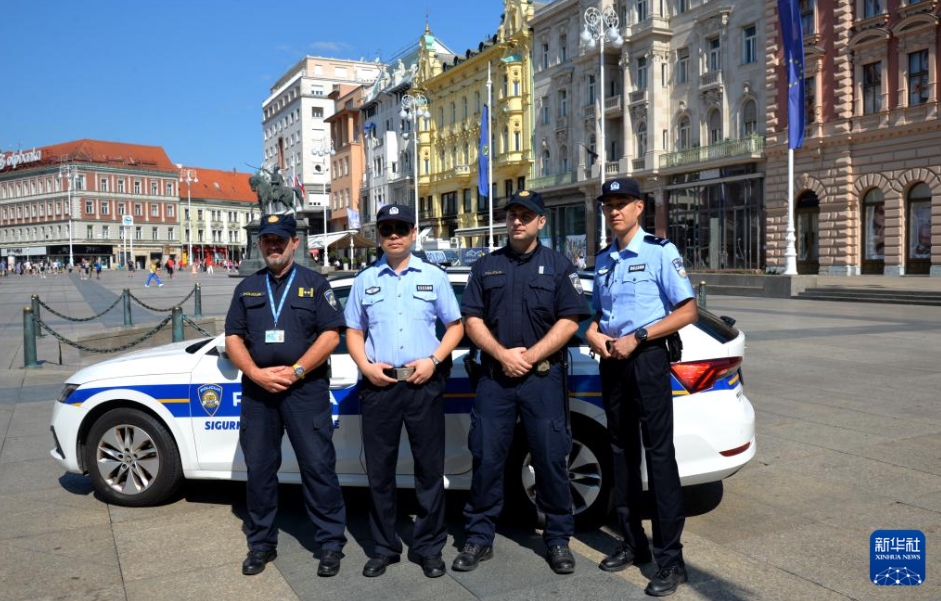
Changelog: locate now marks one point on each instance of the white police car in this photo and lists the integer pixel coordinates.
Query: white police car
(141, 423)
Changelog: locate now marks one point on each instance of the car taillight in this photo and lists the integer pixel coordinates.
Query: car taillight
(696, 376)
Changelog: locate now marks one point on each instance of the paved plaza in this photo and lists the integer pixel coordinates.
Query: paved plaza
(849, 441)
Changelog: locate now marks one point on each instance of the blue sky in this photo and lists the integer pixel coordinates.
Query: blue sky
(190, 75)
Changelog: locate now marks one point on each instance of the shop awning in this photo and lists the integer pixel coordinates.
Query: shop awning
(340, 240)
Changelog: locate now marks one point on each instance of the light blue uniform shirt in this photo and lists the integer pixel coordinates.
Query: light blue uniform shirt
(639, 285)
(397, 312)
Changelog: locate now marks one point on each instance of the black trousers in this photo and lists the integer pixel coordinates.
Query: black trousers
(638, 401)
(309, 424)
(421, 410)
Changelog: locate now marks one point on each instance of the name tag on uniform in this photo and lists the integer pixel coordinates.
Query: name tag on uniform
(274, 336)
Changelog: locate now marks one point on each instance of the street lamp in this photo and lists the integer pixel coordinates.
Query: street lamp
(599, 26)
(415, 106)
(322, 150)
(189, 176)
(69, 173)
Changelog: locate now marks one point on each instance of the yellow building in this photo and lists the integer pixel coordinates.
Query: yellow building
(449, 141)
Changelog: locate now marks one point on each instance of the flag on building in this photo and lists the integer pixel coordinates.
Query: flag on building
(793, 41)
(353, 216)
(300, 186)
(483, 161)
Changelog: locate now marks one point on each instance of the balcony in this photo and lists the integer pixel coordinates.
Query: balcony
(752, 146)
(588, 111)
(612, 106)
(710, 79)
(562, 123)
(551, 181)
(638, 164)
(638, 97)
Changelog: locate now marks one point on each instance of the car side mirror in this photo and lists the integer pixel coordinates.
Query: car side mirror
(220, 348)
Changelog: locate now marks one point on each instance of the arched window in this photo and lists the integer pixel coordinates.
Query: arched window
(546, 166)
(919, 230)
(563, 159)
(873, 220)
(749, 118)
(715, 127)
(682, 134)
(640, 135)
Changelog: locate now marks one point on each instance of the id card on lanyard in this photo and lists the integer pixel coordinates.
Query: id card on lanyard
(276, 336)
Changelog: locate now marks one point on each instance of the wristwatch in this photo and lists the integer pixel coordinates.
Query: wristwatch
(641, 335)
(434, 360)
(298, 371)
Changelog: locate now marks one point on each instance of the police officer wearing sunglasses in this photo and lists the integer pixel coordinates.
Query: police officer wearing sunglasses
(391, 315)
(642, 297)
(521, 306)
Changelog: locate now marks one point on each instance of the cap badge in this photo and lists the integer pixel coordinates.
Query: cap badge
(394, 211)
(523, 194)
(614, 186)
(273, 219)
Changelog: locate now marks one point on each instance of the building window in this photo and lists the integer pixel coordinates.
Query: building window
(715, 127)
(563, 103)
(749, 118)
(138, 233)
(641, 139)
(103, 187)
(505, 139)
(682, 65)
(89, 208)
(872, 8)
(137, 186)
(138, 209)
(750, 44)
(919, 222)
(641, 73)
(874, 235)
(683, 131)
(105, 232)
(545, 56)
(170, 234)
(591, 90)
(872, 88)
(682, 6)
(169, 188)
(918, 77)
(89, 232)
(563, 48)
(153, 234)
(546, 163)
(563, 160)
(517, 141)
(641, 11)
(154, 209)
(810, 100)
(467, 207)
(714, 57)
(808, 22)
(545, 110)
(105, 207)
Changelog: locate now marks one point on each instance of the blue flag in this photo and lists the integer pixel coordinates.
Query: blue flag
(793, 40)
(483, 161)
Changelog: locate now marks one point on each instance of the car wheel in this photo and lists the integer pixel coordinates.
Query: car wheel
(132, 459)
(590, 475)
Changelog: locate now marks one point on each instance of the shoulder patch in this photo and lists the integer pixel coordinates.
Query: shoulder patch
(373, 290)
(576, 283)
(331, 298)
(679, 267)
(656, 240)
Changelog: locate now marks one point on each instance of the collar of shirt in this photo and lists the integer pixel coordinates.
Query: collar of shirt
(284, 277)
(634, 246)
(523, 257)
(414, 264)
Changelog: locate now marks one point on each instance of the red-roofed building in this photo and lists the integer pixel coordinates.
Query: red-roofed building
(125, 201)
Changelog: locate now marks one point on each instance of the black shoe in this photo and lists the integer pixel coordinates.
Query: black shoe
(433, 566)
(561, 559)
(256, 561)
(624, 556)
(329, 563)
(666, 581)
(471, 555)
(376, 566)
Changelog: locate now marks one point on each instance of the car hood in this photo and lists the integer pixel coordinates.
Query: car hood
(167, 359)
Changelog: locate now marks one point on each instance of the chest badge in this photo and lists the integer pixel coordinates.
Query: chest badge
(638, 267)
(425, 287)
(373, 290)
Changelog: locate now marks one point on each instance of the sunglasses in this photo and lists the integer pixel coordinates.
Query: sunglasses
(400, 228)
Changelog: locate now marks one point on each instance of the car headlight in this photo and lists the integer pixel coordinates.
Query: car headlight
(67, 391)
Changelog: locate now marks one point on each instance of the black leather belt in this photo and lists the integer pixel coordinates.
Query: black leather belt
(400, 374)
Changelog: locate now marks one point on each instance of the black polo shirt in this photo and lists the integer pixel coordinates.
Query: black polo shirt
(520, 297)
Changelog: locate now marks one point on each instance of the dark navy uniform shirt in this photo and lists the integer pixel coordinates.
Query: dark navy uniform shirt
(310, 308)
(520, 297)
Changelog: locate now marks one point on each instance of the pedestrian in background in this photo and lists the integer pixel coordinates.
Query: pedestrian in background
(282, 325)
(642, 297)
(521, 305)
(391, 316)
(152, 276)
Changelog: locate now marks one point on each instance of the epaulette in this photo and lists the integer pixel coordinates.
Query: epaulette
(655, 240)
(606, 249)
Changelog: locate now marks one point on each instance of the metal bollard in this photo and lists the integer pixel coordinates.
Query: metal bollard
(127, 307)
(176, 321)
(198, 309)
(701, 297)
(34, 301)
(29, 339)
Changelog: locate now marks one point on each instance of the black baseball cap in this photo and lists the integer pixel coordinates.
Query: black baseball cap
(529, 199)
(621, 187)
(402, 213)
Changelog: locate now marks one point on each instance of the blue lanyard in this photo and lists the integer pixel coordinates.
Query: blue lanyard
(277, 313)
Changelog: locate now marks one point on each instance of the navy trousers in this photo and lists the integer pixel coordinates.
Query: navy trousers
(540, 405)
(638, 401)
(309, 425)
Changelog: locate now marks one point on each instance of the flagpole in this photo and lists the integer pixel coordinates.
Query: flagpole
(490, 157)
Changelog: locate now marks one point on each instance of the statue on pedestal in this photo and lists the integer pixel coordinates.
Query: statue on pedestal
(274, 198)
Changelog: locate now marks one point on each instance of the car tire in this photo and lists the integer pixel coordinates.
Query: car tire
(132, 459)
(590, 476)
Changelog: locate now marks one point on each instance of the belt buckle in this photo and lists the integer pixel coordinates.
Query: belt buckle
(542, 368)
(403, 373)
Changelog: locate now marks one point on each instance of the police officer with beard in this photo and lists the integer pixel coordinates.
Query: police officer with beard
(282, 325)
(521, 306)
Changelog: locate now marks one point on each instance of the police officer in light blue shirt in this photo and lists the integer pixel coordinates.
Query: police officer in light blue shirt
(391, 315)
(641, 298)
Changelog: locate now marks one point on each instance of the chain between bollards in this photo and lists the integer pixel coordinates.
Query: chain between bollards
(126, 297)
(29, 339)
(701, 297)
(34, 301)
(198, 302)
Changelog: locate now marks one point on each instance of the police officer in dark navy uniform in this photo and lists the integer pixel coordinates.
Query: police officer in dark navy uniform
(642, 297)
(282, 325)
(521, 306)
(391, 315)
